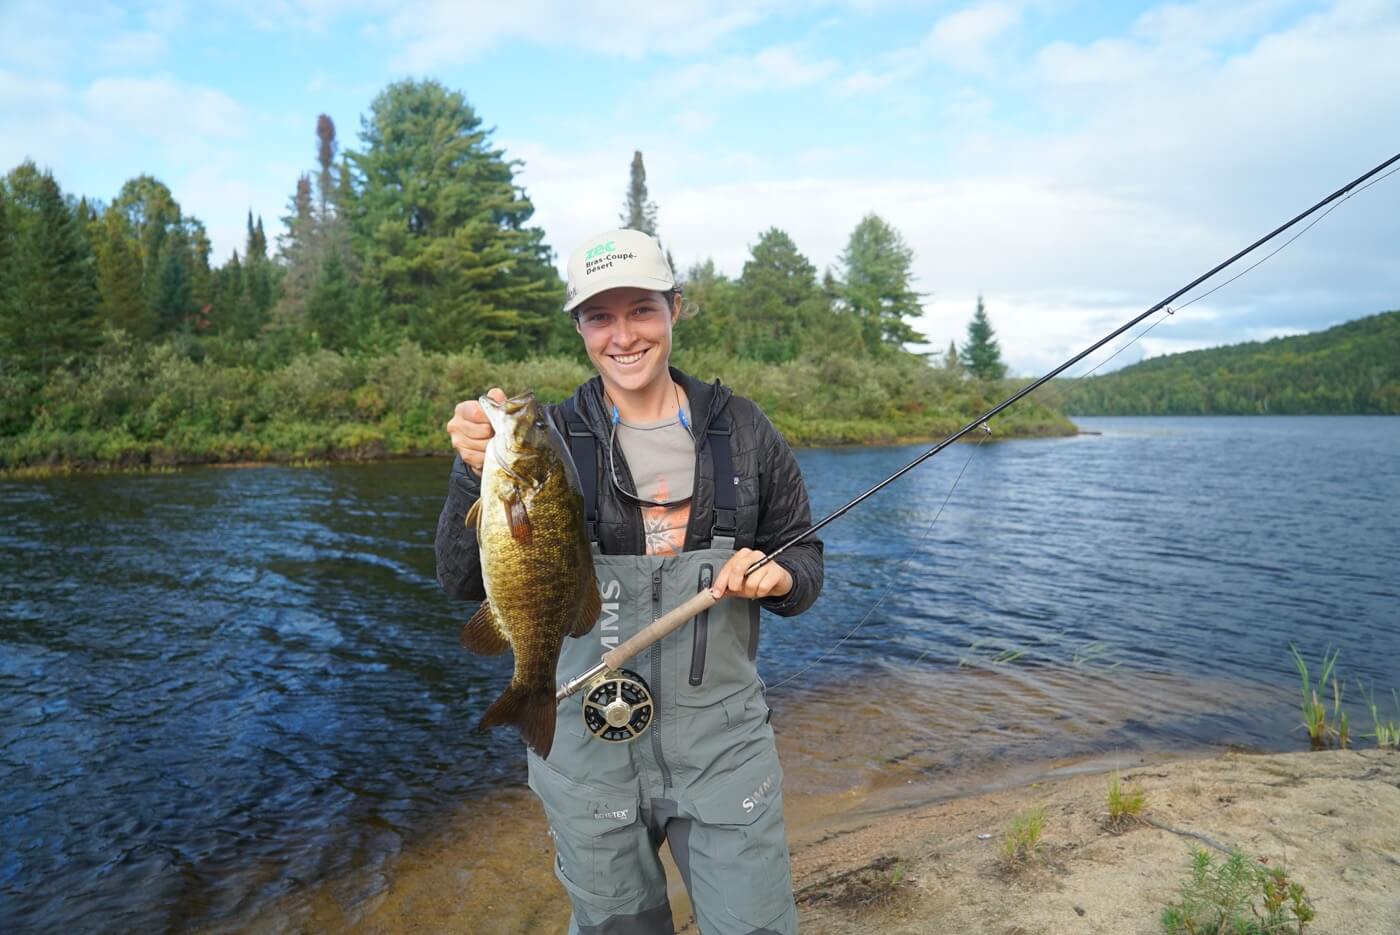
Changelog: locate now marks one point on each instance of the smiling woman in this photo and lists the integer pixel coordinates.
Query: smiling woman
(684, 486)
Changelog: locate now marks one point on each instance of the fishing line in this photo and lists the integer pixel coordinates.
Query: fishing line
(903, 566)
(1031, 387)
(620, 716)
(1172, 310)
(1337, 198)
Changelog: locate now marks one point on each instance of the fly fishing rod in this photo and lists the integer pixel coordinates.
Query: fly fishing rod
(618, 705)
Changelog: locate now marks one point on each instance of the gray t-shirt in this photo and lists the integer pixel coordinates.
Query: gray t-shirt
(661, 457)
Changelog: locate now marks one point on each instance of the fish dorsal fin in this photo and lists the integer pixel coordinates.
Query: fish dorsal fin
(474, 515)
(481, 635)
(590, 609)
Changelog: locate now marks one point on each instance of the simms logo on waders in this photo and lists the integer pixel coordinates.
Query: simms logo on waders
(608, 622)
(759, 795)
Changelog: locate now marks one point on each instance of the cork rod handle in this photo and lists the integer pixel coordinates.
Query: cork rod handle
(664, 625)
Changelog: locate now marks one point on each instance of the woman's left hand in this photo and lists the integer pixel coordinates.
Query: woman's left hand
(772, 580)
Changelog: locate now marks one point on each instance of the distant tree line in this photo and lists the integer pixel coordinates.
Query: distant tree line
(1351, 368)
(421, 236)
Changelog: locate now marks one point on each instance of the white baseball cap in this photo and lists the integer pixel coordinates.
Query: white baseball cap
(616, 258)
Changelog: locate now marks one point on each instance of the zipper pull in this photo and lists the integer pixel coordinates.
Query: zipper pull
(656, 586)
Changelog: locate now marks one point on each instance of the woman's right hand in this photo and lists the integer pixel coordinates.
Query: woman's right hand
(470, 430)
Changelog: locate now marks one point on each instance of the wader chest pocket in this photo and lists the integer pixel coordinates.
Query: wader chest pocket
(713, 661)
(595, 833)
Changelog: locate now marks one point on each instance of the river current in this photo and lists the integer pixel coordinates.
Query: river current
(221, 686)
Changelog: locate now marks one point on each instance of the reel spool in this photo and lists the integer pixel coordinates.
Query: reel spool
(617, 706)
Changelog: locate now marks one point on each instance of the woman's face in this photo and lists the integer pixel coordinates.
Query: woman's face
(627, 333)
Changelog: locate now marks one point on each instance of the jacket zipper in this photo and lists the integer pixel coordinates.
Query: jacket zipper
(702, 630)
(656, 680)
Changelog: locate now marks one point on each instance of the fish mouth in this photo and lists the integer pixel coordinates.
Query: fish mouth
(511, 406)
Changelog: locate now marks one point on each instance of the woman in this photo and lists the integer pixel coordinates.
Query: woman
(686, 486)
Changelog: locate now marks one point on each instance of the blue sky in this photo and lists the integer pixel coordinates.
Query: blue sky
(1072, 161)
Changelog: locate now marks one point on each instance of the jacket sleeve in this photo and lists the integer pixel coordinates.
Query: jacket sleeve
(458, 560)
(784, 512)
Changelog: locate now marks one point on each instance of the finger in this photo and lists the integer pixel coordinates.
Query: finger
(473, 429)
(469, 410)
(722, 580)
(739, 564)
(496, 393)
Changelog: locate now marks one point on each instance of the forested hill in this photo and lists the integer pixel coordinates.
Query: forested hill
(1352, 368)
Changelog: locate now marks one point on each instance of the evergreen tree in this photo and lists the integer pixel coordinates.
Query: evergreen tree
(258, 280)
(52, 310)
(152, 214)
(638, 213)
(298, 251)
(121, 302)
(173, 303)
(443, 226)
(950, 359)
(330, 310)
(783, 312)
(981, 355)
(877, 270)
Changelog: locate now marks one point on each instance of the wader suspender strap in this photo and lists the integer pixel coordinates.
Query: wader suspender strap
(725, 527)
(585, 454)
(584, 449)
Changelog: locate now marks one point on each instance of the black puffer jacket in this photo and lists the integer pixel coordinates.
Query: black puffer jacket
(771, 498)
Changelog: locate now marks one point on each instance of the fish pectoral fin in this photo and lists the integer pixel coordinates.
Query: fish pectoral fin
(519, 518)
(474, 515)
(590, 609)
(481, 635)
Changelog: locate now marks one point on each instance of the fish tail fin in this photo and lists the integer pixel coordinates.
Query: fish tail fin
(529, 710)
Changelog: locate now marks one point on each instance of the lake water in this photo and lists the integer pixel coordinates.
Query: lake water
(221, 687)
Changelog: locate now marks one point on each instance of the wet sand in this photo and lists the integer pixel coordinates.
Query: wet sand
(900, 832)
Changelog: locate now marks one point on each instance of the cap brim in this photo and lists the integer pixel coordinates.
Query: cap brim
(634, 282)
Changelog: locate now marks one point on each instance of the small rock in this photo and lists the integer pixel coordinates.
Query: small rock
(1079, 909)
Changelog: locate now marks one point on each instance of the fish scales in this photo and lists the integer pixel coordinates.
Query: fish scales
(536, 564)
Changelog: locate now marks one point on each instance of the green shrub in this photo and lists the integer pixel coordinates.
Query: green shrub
(1237, 896)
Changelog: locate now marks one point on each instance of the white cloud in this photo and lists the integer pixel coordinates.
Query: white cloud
(773, 68)
(131, 48)
(166, 110)
(693, 121)
(446, 32)
(961, 39)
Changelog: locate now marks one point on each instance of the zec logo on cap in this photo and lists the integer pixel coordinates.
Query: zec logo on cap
(615, 259)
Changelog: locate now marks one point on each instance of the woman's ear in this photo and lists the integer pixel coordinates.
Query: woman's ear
(675, 307)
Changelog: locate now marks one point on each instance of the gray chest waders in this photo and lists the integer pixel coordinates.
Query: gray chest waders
(694, 761)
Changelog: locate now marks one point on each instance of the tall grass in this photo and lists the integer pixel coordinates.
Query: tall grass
(1322, 730)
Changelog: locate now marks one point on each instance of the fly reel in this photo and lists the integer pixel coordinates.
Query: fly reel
(617, 706)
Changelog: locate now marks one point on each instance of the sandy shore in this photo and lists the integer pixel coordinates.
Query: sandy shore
(1332, 819)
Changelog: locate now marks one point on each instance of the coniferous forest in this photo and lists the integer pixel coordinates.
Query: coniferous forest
(405, 276)
(1351, 368)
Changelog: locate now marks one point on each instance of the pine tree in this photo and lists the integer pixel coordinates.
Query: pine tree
(121, 302)
(980, 354)
(8, 308)
(877, 271)
(152, 214)
(638, 213)
(173, 304)
(330, 310)
(442, 226)
(784, 312)
(298, 251)
(950, 359)
(53, 305)
(259, 283)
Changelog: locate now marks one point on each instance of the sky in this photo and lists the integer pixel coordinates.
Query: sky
(1071, 162)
